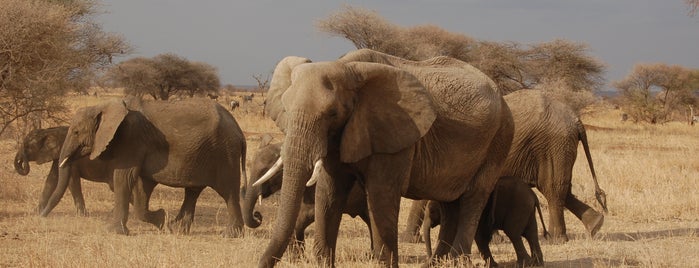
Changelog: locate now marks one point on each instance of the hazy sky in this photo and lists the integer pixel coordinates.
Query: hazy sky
(243, 38)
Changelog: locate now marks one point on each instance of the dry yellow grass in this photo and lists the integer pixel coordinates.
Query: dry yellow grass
(649, 173)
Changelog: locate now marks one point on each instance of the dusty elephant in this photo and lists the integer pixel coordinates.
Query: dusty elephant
(435, 129)
(44, 145)
(263, 161)
(191, 144)
(512, 207)
(543, 153)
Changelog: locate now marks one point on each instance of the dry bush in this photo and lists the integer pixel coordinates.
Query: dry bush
(649, 173)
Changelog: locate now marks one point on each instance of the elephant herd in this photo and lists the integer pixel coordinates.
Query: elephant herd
(360, 133)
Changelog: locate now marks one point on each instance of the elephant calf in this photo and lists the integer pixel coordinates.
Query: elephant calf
(512, 208)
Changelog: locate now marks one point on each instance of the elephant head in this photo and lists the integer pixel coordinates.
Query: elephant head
(41, 146)
(263, 160)
(343, 111)
(90, 132)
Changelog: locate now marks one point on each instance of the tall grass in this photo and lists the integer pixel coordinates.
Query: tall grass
(649, 172)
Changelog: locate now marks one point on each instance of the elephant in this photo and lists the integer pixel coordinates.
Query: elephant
(44, 145)
(543, 153)
(512, 207)
(190, 144)
(262, 162)
(435, 129)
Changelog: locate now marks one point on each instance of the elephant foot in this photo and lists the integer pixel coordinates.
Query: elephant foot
(233, 232)
(118, 228)
(593, 221)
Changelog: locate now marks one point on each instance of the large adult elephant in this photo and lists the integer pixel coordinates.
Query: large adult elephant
(436, 129)
(266, 159)
(543, 153)
(191, 144)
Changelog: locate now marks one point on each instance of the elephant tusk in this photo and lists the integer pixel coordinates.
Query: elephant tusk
(259, 200)
(63, 163)
(316, 169)
(270, 173)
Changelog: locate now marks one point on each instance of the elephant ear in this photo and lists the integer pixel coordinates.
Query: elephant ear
(281, 80)
(107, 120)
(392, 111)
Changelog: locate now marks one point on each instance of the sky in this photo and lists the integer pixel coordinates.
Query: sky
(246, 38)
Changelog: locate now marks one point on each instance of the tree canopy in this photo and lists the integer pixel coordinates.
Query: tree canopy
(511, 65)
(48, 48)
(164, 76)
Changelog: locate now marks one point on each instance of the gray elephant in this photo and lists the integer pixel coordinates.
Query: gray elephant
(44, 145)
(191, 144)
(543, 153)
(512, 207)
(263, 161)
(435, 129)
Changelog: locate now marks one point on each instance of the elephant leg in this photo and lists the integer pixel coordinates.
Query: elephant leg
(554, 184)
(182, 223)
(484, 234)
(447, 230)
(522, 255)
(332, 190)
(471, 206)
(592, 219)
(532, 236)
(124, 181)
(77, 193)
(415, 217)
(141, 198)
(235, 215)
(383, 188)
(49, 186)
(306, 217)
(384, 205)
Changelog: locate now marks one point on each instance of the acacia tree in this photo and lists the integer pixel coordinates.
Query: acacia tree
(163, 76)
(511, 65)
(656, 93)
(48, 48)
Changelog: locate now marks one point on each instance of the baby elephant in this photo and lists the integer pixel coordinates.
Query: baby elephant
(511, 208)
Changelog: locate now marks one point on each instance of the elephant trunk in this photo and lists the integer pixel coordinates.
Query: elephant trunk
(67, 151)
(252, 218)
(21, 162)
(303, 145)
(63, 178)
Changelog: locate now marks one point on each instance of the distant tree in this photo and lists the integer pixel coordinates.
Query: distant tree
(655, 93)
(163, 76)
(262, 82)
(511, 65)
(48, 48)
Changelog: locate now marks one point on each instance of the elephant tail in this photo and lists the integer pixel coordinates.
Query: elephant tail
(541, 217)
(599, 193)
